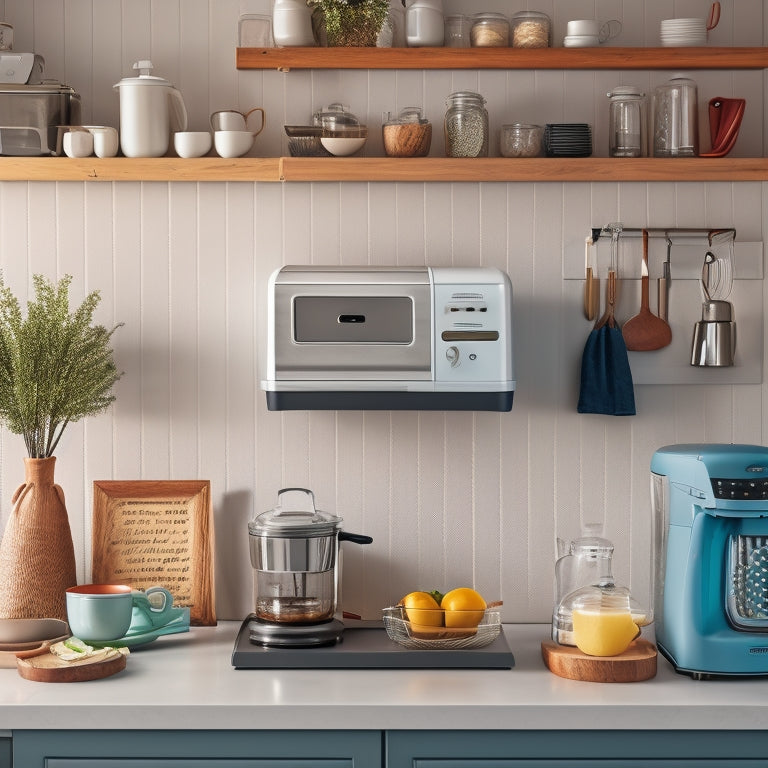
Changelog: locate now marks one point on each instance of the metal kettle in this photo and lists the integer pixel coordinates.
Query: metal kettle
(150, 107)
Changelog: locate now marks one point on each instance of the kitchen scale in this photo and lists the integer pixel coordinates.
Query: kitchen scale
(363, 645)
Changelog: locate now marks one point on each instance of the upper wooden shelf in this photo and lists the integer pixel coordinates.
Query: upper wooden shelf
(373, 169)
(502, 58)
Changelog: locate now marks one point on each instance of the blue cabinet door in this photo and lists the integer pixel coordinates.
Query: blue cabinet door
(575, 749)
(5, 752)
(201, 749)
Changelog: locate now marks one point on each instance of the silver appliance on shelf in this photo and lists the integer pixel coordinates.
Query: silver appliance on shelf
(389, 338)
(32, 108)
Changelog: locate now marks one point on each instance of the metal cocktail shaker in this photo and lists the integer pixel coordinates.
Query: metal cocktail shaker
(714, 336)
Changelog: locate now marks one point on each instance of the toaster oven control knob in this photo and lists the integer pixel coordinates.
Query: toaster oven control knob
(452, 354)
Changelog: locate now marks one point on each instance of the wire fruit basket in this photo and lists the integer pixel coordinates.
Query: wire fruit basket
(410, 635)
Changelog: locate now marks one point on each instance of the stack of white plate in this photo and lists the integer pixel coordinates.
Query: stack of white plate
(683, 32)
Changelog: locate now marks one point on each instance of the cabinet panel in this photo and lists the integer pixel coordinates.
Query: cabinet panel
(574, 749)
(203, 749)
(5, 752)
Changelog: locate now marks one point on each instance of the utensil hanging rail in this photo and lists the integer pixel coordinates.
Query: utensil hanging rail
(705, 233)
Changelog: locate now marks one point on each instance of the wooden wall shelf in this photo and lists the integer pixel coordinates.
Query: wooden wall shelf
(502, 58)
(139, 169)
(373, 169)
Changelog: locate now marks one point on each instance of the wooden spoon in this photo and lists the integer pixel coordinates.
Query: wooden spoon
(646, 331)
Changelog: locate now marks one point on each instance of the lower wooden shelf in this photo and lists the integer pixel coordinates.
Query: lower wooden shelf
(386, 169)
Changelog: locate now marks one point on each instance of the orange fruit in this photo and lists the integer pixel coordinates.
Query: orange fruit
(464, 607)
(422, 608)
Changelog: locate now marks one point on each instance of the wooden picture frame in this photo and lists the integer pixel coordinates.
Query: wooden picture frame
(156, 532)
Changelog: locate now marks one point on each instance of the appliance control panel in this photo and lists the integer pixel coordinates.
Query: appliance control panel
(472, 334)
(740, 490)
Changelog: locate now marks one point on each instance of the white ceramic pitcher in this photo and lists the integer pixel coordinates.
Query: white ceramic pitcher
(150, 107)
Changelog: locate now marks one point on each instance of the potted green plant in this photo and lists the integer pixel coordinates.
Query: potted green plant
(352, 22)
(55, 368)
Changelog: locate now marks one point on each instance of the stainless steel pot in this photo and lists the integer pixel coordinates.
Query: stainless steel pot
(294, 551)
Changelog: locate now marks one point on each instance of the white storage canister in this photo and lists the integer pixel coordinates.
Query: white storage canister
(424, 23)
(292, 23)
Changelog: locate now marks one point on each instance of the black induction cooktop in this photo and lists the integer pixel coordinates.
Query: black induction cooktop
(367, 646)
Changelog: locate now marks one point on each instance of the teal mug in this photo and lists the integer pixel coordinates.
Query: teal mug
(102, 612)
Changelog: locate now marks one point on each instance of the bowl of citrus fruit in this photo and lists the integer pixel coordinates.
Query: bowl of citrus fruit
(460, 618)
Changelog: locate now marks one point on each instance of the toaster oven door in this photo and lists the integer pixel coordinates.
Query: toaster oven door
(353, 332)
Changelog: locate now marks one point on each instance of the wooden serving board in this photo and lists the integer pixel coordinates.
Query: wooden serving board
(637, 663)
(49, 668)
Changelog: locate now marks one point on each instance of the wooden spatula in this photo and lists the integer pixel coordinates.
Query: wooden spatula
(646, 331)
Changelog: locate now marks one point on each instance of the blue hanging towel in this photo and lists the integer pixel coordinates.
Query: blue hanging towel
(606, 378)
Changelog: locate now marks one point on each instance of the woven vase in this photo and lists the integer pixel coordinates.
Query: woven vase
(37, 557)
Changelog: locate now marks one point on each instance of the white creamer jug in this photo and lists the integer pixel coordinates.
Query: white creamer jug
(292, 23)
(150, 107)
(424, 23)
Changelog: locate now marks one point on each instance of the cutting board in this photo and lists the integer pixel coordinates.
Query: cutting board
(637, 663)
(48, 668)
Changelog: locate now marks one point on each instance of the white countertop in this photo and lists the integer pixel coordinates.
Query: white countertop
(187, 681)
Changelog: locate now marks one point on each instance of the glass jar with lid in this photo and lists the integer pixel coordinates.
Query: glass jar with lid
(489, 30)
(466, 125)
(627, 122)
(531, 29)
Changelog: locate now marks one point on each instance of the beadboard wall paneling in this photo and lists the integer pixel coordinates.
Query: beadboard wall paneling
(449, 498)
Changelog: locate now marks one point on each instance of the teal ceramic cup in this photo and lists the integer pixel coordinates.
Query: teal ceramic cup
(102, 612)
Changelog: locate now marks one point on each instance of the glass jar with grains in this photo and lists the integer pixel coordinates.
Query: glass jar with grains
(466, 125)
(521, 140)
(531, 29)
(490, 30)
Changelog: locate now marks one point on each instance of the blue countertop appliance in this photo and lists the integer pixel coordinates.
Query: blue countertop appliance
(710, 511)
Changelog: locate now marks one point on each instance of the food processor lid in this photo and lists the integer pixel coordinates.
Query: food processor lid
(294, 516)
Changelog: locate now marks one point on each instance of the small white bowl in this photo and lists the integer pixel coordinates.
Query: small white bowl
(78, 142)
(343, 146)
(192, 143)
(232, 143)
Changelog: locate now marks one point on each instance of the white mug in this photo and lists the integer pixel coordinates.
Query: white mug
(106, 141)
(78, 142)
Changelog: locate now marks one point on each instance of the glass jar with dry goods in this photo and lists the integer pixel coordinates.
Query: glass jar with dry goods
(466, 125)
(521, 140)
(531, 29)
(490, 30)
(407, 135)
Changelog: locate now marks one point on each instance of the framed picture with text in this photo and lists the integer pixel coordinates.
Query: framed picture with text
(157, 532)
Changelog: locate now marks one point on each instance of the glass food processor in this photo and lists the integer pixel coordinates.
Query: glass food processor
(294, 552)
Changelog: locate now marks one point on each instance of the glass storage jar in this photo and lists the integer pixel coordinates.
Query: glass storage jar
(457, 28)
(521, 140)
(627, 122)
(466, 125)
(531, 29)
(490, 30)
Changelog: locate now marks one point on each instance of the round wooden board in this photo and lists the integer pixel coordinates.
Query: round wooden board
(48, 668)
(637, 663)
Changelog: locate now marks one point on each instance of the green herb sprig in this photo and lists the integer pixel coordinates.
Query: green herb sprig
(55, 367)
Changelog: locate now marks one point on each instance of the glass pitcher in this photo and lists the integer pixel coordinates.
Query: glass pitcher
(582, 562)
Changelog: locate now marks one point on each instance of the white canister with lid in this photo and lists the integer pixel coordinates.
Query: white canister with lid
(292, 23)
(424, 23)
(150, 107)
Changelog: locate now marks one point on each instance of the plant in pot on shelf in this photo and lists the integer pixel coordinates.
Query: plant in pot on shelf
(351, 22)
(55, 368)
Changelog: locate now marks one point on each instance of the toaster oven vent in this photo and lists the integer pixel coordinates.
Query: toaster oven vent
(466, 295)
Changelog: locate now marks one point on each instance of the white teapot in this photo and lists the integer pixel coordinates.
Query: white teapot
(150, 107)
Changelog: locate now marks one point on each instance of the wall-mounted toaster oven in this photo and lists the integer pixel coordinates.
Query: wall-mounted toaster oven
(389, 338)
